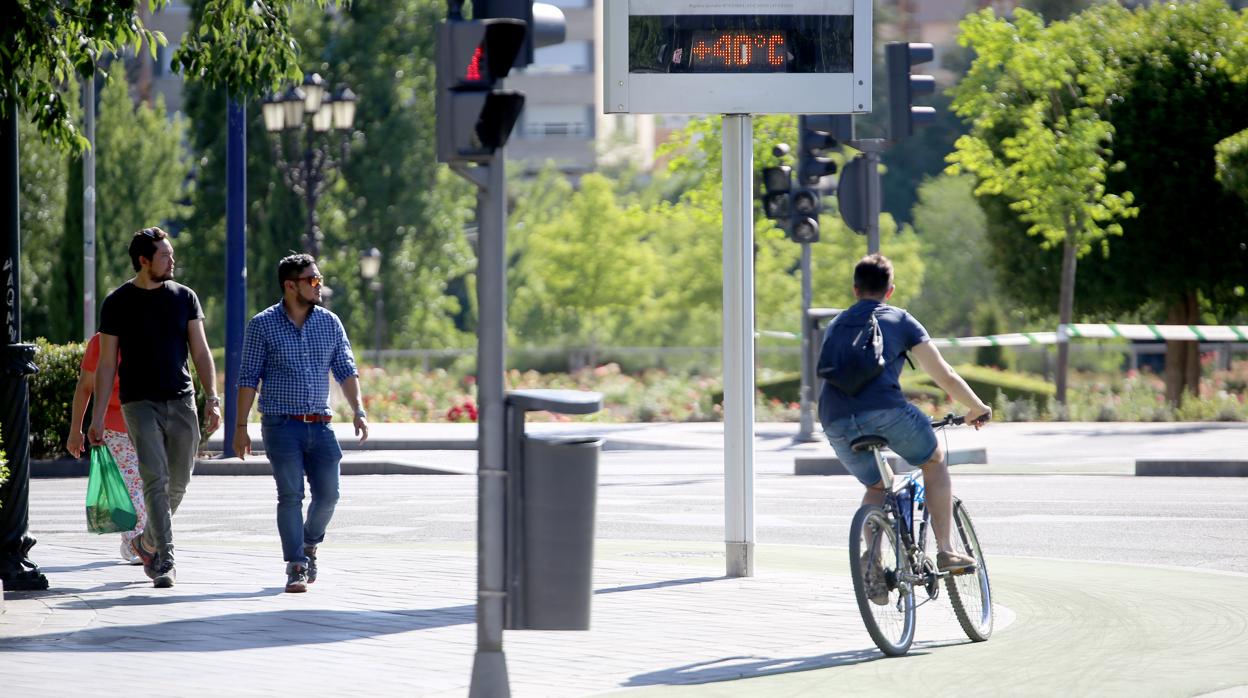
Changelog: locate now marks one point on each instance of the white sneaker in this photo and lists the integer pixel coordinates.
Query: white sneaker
(127, 554)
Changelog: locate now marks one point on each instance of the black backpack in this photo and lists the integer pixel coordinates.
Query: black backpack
(852, 354)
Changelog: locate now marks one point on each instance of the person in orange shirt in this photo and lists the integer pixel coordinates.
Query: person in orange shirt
(116, 439)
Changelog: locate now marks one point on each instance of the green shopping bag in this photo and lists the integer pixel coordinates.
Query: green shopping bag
(109, 509)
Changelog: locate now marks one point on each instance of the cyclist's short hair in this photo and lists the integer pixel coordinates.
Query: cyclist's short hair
(291, 268)
(873, 274)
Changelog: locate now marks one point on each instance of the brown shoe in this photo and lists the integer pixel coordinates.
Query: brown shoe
(949, 561)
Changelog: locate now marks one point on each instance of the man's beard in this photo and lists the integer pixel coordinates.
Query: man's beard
(167, 276)
(304, 302)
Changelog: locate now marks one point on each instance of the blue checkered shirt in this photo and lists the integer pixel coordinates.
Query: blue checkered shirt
(294, 363)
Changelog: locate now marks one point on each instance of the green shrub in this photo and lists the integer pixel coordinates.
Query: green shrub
(52, 395)
(987, 382)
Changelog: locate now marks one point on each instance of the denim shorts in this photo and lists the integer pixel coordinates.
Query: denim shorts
(908, 430)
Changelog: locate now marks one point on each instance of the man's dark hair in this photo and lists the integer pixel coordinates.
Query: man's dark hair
(143, 244)
(291, 268)
(873, 274)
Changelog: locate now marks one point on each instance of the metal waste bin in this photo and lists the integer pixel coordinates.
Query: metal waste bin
(552, 485)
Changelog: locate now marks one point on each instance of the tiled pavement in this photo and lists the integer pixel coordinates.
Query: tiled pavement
(400, 621)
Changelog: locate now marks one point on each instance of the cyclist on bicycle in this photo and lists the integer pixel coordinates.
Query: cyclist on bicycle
(880, 408)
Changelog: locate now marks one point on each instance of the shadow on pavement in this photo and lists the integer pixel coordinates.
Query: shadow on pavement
(243, 631)
(745, 667)
(659, 585)
(83, 566)
(90, 605)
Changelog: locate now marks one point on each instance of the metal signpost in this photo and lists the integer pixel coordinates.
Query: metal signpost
(738, 59)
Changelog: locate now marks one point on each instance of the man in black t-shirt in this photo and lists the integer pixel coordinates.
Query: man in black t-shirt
(156, 323)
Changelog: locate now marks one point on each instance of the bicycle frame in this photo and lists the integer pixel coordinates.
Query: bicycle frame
(911, 545)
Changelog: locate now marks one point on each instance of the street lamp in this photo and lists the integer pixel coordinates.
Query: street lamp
(311, 109)
(370, 271)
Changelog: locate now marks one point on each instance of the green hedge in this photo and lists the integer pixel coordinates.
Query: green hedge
(52, 396)
(989, 382)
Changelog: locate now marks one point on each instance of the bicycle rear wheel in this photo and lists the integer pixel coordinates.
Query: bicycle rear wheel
(887, 607)
(970, 592)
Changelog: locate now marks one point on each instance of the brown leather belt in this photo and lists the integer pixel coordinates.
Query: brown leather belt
(311, 418)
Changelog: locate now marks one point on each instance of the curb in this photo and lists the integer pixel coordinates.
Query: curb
(251, 466)
(1192, 468)
(830, 465)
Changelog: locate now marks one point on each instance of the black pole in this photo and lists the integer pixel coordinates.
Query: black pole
(17, 571)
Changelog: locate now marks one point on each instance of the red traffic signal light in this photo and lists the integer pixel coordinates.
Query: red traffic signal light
(473, 118)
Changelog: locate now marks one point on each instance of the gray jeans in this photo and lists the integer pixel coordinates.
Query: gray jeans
(165, 437)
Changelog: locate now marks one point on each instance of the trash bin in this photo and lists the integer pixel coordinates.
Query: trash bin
(560, 486)
(552, 485)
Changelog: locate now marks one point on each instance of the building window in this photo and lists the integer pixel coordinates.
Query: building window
(568, 57)
(570, 121)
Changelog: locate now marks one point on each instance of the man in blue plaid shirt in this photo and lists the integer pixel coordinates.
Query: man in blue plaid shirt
(292, 347)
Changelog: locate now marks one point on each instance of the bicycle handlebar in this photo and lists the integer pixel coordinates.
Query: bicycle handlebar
(953, 420)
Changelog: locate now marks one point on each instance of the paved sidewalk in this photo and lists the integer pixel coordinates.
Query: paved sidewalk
(400, 621)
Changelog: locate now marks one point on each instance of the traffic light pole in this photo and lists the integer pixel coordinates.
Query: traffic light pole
(871, 149)
(806, 424)
(738, 175)
(489, 665)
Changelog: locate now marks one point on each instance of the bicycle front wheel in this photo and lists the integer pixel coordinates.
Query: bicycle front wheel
(969, 592)
(885, 596)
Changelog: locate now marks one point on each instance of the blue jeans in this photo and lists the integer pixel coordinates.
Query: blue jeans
(908, 430)
(296, 449)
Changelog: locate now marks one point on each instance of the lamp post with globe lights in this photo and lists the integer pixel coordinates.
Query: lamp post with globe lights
(324, 120)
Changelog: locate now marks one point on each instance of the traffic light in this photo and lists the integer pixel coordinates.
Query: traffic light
(818, 136)
(903, 116)
(776, 191)
(474, 118)
(545, 22)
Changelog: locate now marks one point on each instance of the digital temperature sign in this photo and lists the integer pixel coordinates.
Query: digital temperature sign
(729, 51)
(737, 56)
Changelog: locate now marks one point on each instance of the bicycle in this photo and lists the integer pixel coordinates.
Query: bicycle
(889, 560)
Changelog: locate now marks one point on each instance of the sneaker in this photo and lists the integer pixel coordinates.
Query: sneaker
(873, 579)
(128, 554)
(146, 557)
(948, 561)
(165, 576)
(309, 551)
(296, 579)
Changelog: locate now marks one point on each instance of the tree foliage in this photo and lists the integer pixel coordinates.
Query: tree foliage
(1174, 82)
(952, 233)
(1232, 161)
(48, 43)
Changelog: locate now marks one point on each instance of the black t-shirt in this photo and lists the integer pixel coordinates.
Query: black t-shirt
(151, 330)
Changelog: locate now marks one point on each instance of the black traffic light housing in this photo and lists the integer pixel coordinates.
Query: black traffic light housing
(474, 119)
(818, 136)
(776, 189)
(545, 22)
(903, 116)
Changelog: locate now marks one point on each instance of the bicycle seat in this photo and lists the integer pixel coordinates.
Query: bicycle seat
(869, 441)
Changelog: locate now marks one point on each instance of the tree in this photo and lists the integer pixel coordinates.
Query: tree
(952, 233)
(141, 170)
(1232, 160)
(42, 205)
(49, 42)
(1034, 97)
(1180, 85)
(590, 266)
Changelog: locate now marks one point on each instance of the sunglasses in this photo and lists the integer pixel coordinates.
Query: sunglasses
(150, 232)
(313, 281)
